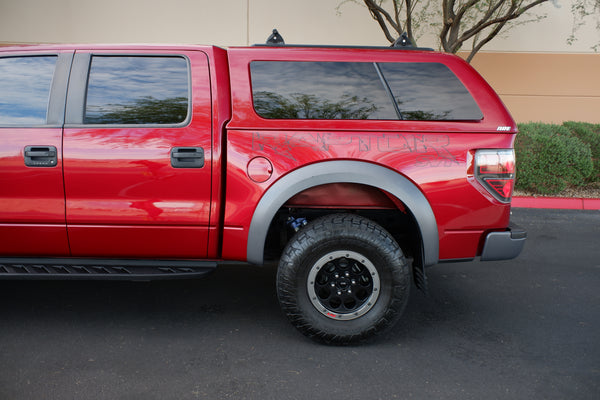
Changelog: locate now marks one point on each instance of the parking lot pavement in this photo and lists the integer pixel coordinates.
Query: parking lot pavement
(522, 329)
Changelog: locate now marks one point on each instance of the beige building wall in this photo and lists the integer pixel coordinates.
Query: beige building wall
(223, 23)
(548, 87)
(537, 74)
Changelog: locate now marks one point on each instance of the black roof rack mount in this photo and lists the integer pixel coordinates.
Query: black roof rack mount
(403, 41)
(275, 38)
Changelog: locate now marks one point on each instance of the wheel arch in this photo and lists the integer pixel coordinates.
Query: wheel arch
(343, 171)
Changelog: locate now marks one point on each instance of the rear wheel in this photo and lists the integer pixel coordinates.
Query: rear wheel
(342, 279)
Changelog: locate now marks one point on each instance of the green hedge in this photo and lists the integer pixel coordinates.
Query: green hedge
(590, 134)
(552, 157)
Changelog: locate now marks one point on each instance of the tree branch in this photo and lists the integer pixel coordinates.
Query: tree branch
(480, 44)
(513, 13)
(378, 13)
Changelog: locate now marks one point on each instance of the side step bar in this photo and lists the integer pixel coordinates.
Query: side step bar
(102, 269)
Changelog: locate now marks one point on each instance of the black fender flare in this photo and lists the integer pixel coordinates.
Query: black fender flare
(347, 172)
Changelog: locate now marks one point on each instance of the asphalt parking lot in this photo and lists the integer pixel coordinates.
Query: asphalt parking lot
(522, 329)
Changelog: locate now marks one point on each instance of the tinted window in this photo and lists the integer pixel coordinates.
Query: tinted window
(429, 91)
(137, 90)
(25, 89)
(319, 90)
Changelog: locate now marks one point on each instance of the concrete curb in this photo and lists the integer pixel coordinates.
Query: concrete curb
(565, 203)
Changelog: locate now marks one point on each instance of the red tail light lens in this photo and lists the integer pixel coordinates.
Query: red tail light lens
(495, 170)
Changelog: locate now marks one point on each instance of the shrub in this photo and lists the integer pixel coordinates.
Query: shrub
(590, 134)
(550, 158)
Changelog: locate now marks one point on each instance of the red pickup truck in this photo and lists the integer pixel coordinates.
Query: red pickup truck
(356, 168)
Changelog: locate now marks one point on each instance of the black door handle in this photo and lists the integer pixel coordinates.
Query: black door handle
(187, 157)
(41, 156)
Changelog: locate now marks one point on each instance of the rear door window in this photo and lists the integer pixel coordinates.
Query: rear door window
(137, 90)
(25, 84)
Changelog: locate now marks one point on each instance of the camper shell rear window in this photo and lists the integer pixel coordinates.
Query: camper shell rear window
(360, 91)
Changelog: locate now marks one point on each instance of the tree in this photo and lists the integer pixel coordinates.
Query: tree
(488, 19)
(459, 21)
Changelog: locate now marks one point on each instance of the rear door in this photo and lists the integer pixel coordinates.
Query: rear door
(137, 154)
(32, 199)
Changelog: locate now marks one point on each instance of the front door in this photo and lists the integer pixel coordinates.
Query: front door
(137, 154)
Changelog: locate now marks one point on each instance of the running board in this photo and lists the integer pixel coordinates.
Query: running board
(102, 269)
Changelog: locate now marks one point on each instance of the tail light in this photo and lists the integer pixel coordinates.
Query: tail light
(495, 170)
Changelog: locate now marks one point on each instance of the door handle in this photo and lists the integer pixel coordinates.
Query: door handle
(187, 157)
(41, 156)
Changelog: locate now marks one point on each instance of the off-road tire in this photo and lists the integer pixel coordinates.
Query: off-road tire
(362, 251)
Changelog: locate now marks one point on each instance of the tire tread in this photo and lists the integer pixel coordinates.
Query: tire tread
(334, 229)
